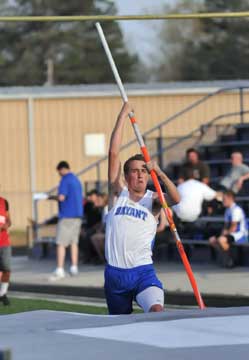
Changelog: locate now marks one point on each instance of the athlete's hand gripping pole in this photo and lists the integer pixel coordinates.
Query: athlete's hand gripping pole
(152, 173)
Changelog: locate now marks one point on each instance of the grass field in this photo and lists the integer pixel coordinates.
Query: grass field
(22, 305)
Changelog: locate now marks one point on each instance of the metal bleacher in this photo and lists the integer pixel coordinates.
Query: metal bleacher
(217, 156)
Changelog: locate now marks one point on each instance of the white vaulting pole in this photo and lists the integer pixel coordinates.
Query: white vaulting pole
(111, 62)
(153, 174)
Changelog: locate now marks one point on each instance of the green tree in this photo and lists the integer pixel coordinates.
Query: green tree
(206, 49)
(72, 51)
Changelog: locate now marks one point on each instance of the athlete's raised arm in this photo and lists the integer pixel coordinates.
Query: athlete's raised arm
(114, 166)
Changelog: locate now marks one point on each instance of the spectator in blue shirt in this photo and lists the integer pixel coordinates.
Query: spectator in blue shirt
(70, 200)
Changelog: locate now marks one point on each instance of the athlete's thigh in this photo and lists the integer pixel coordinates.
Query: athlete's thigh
(147, 277)
(118, 303)
(153, 295)
(118, 293)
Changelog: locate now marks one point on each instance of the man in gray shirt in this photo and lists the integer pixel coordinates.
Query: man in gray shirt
(238, 173)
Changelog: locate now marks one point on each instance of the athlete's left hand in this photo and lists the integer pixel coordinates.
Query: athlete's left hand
(152, 165)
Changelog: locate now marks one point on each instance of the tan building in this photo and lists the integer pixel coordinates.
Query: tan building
(40, 126)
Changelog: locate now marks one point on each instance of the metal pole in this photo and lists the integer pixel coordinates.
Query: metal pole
(182, 16)
(32, 159)
(32, 165)
(241, 100)
(153, 174)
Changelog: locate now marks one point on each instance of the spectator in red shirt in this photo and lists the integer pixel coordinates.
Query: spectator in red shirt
(5, 250)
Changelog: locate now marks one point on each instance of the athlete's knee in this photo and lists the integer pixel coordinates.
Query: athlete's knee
(156, 308)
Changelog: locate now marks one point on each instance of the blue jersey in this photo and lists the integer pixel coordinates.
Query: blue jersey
(71, 188)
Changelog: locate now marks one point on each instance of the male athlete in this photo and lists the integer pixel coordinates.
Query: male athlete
(130, 230)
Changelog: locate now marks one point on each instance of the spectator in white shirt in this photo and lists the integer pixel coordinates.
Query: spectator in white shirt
(193, 193)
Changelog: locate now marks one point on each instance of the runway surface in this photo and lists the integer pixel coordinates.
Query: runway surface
(175, 334)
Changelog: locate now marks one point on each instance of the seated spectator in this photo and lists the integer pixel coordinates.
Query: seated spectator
(200, 170)
(192, 193)
(93, 221)
(98, 242)
(235, 229)
(238, 173)
(98, 238)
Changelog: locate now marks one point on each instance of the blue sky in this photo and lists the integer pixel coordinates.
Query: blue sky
(138, 6)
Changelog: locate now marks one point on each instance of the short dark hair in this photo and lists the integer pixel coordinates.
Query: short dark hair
(190, 150)
(229, 193)
(93, 192)
(62, 165)
(138, 157)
